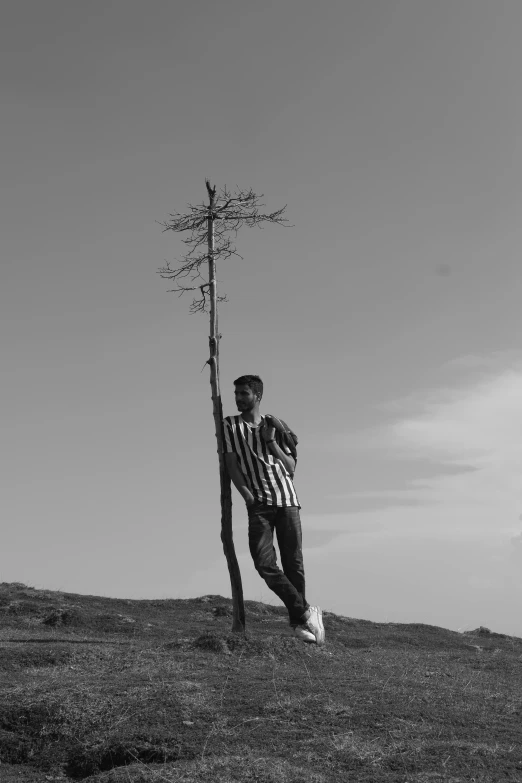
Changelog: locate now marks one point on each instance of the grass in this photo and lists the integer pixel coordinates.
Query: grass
(114, 691)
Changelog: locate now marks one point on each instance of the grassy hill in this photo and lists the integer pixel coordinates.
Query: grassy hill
(117, 691)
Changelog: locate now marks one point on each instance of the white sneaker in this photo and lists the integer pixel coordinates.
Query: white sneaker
(314, 623)
(302, 632)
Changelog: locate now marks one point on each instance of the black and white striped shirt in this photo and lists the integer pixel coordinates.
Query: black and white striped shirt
(269, 480)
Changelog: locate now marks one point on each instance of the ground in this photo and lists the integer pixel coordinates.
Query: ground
(120, 691)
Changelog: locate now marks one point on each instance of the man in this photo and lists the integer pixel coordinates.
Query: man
(261, 467)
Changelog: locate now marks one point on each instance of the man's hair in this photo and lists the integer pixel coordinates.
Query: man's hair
(254, 381)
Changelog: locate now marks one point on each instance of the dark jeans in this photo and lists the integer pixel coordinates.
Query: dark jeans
(288, 584)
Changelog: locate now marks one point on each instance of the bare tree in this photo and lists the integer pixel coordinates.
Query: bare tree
(210, 233)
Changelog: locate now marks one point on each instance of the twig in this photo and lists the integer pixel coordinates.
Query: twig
(231, 211)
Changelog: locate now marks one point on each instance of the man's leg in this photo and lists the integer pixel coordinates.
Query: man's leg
(261, 521)
(289, 539)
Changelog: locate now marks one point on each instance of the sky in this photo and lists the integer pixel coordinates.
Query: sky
(385, 321)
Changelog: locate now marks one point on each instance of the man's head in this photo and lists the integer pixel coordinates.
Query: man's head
(248, 391)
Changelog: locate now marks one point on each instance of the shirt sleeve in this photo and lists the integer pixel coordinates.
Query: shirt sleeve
(227, 447)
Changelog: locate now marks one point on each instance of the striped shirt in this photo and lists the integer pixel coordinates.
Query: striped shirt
(269, 480)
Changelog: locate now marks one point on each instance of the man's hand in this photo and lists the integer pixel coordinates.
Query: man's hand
(267, 430)
(238, 479)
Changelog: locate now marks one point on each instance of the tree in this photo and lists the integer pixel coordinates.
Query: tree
(210, 233)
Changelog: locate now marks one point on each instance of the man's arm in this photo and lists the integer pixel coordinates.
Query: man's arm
(268, 433)
(238, 479)
(277, 452)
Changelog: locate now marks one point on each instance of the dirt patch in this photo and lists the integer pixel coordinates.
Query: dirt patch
(29, 656)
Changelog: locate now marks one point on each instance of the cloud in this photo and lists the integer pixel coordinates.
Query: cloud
(479, 425)
(446, 522)
(468, 433)
(491, 363)
(441, 571)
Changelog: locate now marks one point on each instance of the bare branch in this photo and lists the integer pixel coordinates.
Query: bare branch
(232, 211)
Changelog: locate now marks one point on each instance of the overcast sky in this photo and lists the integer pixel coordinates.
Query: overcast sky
(386, 323)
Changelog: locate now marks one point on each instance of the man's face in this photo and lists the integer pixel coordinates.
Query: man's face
(245, 398)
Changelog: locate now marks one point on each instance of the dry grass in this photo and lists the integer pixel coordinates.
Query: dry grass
(82, 697)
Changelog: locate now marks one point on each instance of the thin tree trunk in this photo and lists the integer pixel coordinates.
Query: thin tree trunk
(238, 621)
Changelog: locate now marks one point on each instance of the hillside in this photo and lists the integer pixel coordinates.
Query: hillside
(119, 691)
